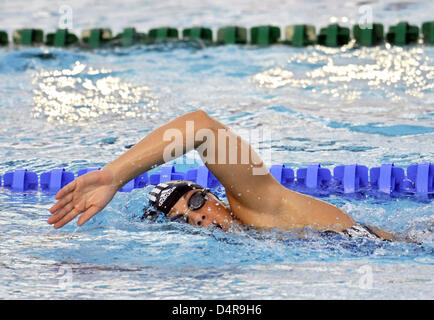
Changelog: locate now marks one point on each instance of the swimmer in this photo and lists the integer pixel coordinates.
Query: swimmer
(255, 197)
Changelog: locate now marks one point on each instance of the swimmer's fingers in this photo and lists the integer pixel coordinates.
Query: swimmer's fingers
(89, 213)
(60, 213)
(61, 203)
(65, 190)
(66, 216)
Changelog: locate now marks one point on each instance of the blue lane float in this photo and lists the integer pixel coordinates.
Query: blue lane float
(387, 178)
(56, 179)
(416, 179)
(284, 175)
(314, 177)
(351, 178)
(167, 173)
(421, 177)
(20, 180)
(204, 177)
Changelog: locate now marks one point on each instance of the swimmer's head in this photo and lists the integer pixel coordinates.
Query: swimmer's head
(189, 202)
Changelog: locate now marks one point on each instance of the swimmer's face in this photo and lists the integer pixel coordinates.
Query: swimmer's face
(212, 212)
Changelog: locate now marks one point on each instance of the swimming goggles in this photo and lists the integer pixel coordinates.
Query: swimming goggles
(196, 201)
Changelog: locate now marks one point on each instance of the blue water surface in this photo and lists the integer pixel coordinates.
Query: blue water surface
(75, 108)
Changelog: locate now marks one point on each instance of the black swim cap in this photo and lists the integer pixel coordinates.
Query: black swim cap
(164, 196)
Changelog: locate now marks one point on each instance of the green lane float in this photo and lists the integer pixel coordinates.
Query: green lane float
(368, 36)
(3, 38)
(163, 34)
(333, 36)
(403, 34)
(300, 35)
(428, 32)
(28, 37)
(197, 33)
(97, 37)
(129, 37)
(264, 35)
(232, 35)
(61, 38)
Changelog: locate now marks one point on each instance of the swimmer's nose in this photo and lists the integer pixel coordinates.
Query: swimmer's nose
(199, 220)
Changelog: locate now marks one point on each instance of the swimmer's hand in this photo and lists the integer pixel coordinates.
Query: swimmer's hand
(87, 195)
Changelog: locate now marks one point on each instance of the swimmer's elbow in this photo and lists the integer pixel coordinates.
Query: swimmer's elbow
(199, 113)
(204, 119)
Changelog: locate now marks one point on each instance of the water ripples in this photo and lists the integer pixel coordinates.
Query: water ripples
(82, 109)
(352, 74)
(83, 93)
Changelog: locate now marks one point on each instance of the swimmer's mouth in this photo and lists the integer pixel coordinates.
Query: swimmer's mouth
(179, 218)
(217, 226)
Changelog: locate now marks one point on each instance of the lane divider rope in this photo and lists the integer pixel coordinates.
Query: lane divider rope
(416, 179)
(299, 35)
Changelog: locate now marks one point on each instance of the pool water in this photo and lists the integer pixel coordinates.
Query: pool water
(74, 108)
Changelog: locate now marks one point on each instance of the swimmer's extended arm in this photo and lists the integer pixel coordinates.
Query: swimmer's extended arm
(255, 196)
(245, 177)
(231, 159)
